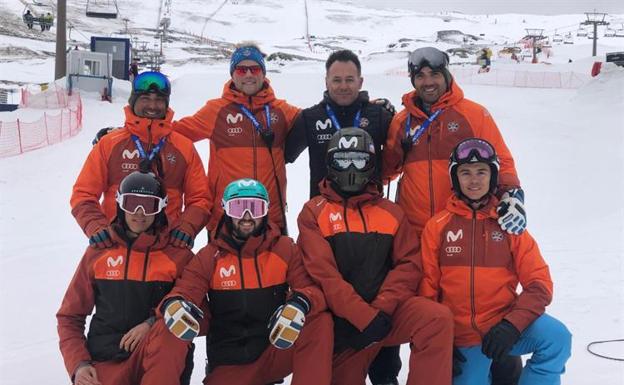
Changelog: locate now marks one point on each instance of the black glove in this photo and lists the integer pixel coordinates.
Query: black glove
(386, 104)
(499, 340)
(458, 359)
(101, 133)
(101, 239)
(376, 331)
(180, 237)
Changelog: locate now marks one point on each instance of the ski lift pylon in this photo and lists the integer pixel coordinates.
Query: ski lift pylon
(103, 9)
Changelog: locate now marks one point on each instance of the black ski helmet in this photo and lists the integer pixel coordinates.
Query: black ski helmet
(473, 150)
(145, 183)
(350, 140)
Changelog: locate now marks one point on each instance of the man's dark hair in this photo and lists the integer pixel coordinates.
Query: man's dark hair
(344, 55)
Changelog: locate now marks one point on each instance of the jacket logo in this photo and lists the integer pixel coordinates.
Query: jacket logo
(129, 166)
(364, 122)
(233, 119)
(231, 131)
(127, 154)
(333, 217)
(453, 249)
(323, 137)
(274, 118)
(348, 143)
(453, 126)
(247, 183)
(113, 262)
(497, 236)
(223, 272)
(171, 158)
(323, 125)
(454, 237)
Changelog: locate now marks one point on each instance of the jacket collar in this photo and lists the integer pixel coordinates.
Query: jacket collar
(254, 102)
(351, 109)
(450, 98)
(253, 245)
(148, 130)
(372, 193)
(152, 241)
(457, 206)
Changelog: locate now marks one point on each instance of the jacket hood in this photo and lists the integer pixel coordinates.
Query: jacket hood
(265, 96)
(145, 240)
(142, 127)
(372, 192)
(451, 97)
(253, 245)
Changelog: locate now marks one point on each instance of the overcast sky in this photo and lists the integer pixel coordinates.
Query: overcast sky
(540, 7)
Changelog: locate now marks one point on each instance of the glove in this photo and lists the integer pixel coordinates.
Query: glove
(101, 133)
(101, 239)
(181, 236)
(287, 321)
(182, 318)
(458, 360)
(510, 210)
(499, 340)
(386, 104)
(376, 331)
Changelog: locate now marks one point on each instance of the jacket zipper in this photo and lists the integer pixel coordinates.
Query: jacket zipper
(344, 206)
(244, 307)
(362, 216)
(257, 269)
(125, 302)
(147, 252)
(432, 213)
(473, 311)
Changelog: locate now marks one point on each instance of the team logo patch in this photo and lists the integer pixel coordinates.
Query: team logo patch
(453, 126)
(320, 125)
(364, 122)
(233, 119)
(454, 236)
(171, 158)
(497, 236)
(274, 118)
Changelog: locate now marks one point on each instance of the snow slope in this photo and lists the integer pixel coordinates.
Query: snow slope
(568, 146)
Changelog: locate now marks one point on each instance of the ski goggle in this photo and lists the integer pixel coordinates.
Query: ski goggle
(426, 57)
(242, 70)
(478, 148)
(152, 81)
(150, 204)
(344, 159)
(237, 207)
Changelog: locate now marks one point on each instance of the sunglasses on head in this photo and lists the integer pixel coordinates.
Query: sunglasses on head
(237, 207)
(150, 204)
(242, 70)
(152, 81)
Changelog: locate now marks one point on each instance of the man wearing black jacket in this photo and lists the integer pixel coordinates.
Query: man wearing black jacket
(344, 105)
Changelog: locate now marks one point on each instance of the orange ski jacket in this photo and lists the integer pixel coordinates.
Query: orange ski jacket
(125, 284)
(363, 253)
(237, 150)
(425, 185)
(116, 155)
(474, 267)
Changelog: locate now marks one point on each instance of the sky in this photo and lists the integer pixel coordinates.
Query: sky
(540, 7)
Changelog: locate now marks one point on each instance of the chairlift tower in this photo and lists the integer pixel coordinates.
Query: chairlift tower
(60, 62)
(595, 19)
(534, 34)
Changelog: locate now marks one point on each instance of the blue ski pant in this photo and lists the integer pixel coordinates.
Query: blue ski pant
(546, 338)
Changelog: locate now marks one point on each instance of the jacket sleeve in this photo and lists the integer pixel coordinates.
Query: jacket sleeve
(430, 248)
(196, 196)
(291, 113)
(87, 190)
(392, 159)
(301, 282)
(534, 276)
(297, 140)
(318, 259)
(402, 281)
(77, 305)
(508, 176)
(199, 125)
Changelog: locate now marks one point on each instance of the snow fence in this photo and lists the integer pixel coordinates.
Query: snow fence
(18, 136)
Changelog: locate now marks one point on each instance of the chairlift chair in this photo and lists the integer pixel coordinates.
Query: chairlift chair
(581, 32)
(557, 38)
(103, 9)
(568, 39)
(619, 32)
(590, 35)
(609, 32)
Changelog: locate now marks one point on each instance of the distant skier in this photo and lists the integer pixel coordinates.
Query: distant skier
(421, 137)
(125, 343)
(133, 72)
(475, 272)
(253, 277)
(28, 18)
(485, 60)
(146, 142)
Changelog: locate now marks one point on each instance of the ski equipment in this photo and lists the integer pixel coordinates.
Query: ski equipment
(473, 150)
(350, 159)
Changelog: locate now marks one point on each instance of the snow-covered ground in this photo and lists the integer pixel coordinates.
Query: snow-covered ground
(568, 146)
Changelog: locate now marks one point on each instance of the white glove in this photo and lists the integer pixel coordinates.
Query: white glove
(182, 318)
(510, 210)
(287, 321)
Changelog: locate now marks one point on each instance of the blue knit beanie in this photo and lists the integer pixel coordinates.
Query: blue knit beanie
(247, 53)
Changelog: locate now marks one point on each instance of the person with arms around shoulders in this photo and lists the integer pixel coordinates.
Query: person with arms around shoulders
(436, 117)
(344, 104)
(247, 128)
(253, 277)
(147, 143)
(360, 248)
(125, 343)
(474, 268)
